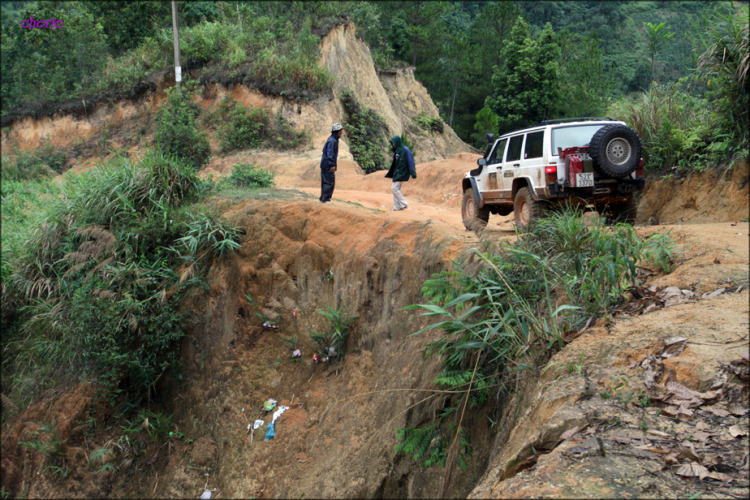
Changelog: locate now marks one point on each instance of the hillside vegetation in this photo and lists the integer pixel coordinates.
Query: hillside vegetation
(676, 70)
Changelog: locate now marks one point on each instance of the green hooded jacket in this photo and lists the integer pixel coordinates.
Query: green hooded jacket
(402, 165)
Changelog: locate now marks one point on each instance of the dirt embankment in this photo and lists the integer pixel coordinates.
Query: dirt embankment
(109, 126)
(709, 196)
(337, 438)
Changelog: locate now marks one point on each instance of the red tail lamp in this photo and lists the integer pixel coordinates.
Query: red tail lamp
(551, 173)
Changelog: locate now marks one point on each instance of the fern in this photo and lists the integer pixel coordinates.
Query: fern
(433, 438)
(459, 380)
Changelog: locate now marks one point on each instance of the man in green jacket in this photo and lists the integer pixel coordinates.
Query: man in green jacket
(402, 167)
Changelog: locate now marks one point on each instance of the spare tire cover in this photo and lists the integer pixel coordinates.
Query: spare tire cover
(616, 150)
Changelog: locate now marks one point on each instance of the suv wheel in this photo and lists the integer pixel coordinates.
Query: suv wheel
(470, 210)
(527, 209)
(616, 150)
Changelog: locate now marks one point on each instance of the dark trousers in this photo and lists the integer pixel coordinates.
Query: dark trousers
(327, 182)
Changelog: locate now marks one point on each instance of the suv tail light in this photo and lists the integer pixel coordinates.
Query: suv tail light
(551, 174)
(639, 170)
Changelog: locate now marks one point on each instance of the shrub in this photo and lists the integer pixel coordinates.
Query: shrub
(244, 175)
(337, 332)
(430, 123)
(366, 132)
(499, 311)
(244, 128)
(724, 64)
(675, 127)
(101, 273)
(27, 166)
(175, 127)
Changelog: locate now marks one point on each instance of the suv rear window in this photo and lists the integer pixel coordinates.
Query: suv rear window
(570, 137)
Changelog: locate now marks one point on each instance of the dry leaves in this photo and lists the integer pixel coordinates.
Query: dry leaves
(735, 431)
(717, 411)
(654, 369)
(736, 409)
(672, 347)
(569, 433)
(719, 476)
(692, 470)
(686, 450)
(713, 294)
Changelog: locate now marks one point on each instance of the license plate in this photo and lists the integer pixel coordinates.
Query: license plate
(585, 180)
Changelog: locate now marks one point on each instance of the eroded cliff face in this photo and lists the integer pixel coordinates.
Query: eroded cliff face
(397, 97)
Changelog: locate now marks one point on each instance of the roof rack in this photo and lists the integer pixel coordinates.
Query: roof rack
(558, 120)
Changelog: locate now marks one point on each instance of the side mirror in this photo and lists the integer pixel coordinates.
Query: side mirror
(490, 138)
(481, 162)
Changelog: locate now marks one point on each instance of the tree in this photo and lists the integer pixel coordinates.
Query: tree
(724, 64)
(526, 85)
(486, 124)
(656, 39)
(586, 84)
(456, 63)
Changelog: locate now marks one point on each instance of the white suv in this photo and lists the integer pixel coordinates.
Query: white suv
(579, 161)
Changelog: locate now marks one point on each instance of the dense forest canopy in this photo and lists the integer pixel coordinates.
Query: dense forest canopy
(522, 61)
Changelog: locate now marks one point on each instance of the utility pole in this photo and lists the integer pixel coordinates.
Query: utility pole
(176, 32)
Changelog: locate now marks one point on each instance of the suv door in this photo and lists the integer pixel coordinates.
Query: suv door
(532, 163)
(512, 164)
(491, 176)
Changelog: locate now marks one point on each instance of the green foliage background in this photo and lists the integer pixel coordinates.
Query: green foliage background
(526, 60)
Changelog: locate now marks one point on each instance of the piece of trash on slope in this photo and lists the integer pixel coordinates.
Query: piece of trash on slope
(316, 358)
(297, 353)
(255, 424)
(278, 413)
(269, 404)
(206, 495)
(268, 324)
(271, 432)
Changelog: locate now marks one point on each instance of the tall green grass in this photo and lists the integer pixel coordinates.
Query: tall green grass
(508, 308)
(94, 271)
(675, 127)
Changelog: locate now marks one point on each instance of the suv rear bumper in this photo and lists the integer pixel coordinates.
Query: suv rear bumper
(602, 190)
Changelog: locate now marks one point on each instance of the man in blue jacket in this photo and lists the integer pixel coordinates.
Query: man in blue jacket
(328, 163)
(402, 167)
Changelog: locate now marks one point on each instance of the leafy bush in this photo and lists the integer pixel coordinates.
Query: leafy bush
(244, 175)
(175, 127)
(98, 274)
(724, 65)
(366, 132)
(430, 123)
(244, 128)
(278, 51)
(674, 126)
(508, 307)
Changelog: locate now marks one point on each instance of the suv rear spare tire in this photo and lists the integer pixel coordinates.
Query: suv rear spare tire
(526, 209)
(470, 210)
(616, 150)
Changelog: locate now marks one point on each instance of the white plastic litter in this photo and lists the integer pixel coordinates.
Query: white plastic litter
(255, 425)
(206, 495)
(278, 413)
(272, 401)
(297, 353)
